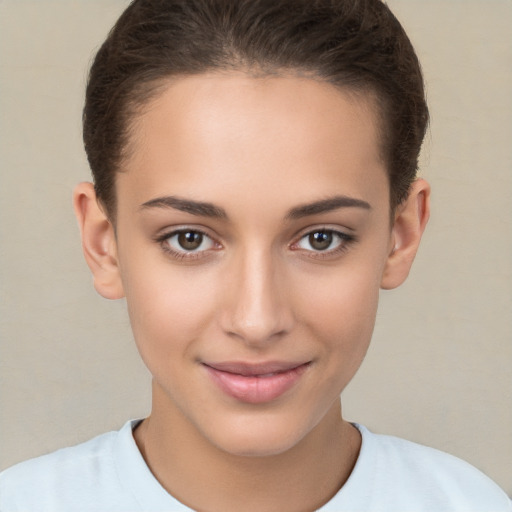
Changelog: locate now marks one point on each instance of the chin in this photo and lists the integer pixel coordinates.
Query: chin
(257, 438)
(257, 446)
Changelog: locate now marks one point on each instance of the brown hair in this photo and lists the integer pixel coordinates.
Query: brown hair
(354, 44)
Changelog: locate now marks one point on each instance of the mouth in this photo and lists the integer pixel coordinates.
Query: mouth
(256, 383)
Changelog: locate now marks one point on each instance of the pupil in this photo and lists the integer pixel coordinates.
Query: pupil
(190, 240)
(320, 240)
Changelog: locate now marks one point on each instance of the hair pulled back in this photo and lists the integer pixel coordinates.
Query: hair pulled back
(355, 44)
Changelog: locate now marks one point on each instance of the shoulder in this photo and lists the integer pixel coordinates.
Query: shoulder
(406, 471)
(51, 481)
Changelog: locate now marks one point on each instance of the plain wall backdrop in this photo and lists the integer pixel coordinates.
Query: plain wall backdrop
(439, 370)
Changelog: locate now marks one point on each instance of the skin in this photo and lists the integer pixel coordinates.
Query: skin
(257, 290)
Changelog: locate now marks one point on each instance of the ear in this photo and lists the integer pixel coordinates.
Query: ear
(411, 218)
(98, 242)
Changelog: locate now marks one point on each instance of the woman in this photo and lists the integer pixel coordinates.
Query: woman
(254, 187)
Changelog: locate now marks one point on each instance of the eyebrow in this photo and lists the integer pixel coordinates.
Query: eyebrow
(199, 208)
(326, 205)
(204, 209)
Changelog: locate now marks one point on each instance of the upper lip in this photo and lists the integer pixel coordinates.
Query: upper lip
(255, 369)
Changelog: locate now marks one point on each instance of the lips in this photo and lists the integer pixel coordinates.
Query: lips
(256, 383)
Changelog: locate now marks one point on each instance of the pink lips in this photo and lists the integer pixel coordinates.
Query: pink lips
(255, 383)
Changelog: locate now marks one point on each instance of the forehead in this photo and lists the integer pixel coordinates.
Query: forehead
(204, 135)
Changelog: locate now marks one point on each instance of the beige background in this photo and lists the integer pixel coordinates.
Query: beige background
(439, 371)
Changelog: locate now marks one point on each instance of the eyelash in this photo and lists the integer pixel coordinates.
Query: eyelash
(184, 254)
(345, 240)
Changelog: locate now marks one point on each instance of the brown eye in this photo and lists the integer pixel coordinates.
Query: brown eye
(187, 241)
(190, 240)
(320, 240)
(324, 241)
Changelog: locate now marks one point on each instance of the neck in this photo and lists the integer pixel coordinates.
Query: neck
(205, 477)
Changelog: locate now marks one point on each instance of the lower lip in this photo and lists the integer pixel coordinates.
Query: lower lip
(253, 389)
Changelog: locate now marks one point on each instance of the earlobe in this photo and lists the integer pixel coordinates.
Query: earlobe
(98, 242)
(411, 218)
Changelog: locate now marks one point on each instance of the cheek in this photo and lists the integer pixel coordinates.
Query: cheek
(344, 301)
(169, 309)
(340, 311)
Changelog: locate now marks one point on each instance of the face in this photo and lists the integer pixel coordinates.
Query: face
(252, 236)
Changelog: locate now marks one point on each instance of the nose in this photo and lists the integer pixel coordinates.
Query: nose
(257, 310)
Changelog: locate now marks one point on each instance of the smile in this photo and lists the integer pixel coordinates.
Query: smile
(255, 383)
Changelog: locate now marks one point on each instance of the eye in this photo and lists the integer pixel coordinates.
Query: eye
(324, 240)
(187, 241)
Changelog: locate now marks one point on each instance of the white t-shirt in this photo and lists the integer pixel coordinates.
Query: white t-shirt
(108, 474)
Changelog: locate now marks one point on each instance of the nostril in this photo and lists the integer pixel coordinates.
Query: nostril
(265, 330)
